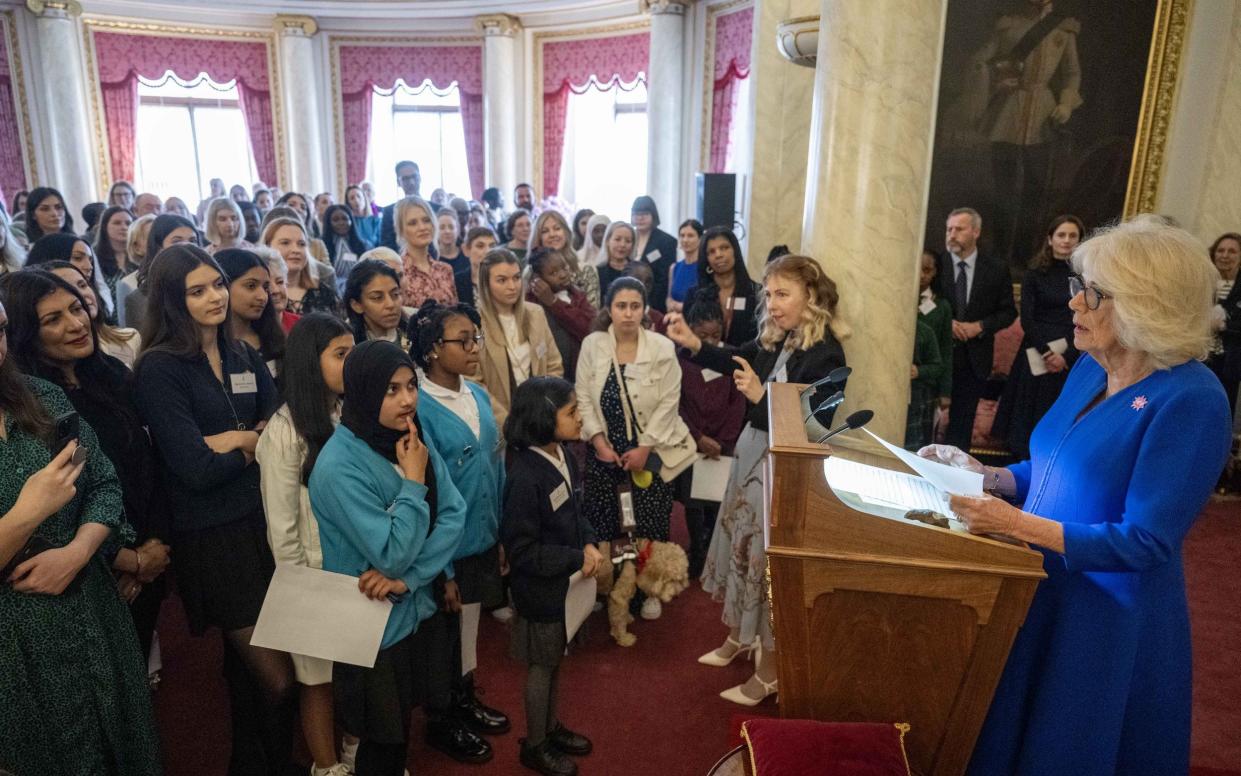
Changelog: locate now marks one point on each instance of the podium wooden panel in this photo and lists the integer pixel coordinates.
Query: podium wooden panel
(880, 619)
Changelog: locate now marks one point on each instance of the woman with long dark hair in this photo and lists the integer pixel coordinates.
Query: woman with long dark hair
(46, 214)
(722, 275)
(373, 304)
(76, 251)
(313, 372)
(344, 245)
(53, 337)
(252, 318)
(683, 276)
(121, 343)
(73, 692)
(205, 398)
(111, 246)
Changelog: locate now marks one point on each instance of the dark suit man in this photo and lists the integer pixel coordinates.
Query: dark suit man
(409, 177)
(980, 291)
(660, 250)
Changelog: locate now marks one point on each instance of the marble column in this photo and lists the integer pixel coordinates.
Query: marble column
(500, 119)
(62, 87)
(665, 98)
(303, 109)
(782, 95)
(871, 134)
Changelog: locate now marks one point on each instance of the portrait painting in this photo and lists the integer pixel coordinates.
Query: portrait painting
(1039, 114)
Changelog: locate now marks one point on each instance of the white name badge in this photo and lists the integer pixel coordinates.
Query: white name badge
(738, 302)
(244, 383)
(782, 375)
(710, 374)
(654, 255)
(559, 496)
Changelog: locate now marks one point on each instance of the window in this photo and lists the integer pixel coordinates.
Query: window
(604, 163)
(189, 133)
(422, 124)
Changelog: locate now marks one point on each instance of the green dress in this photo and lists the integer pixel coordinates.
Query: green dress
(73, 690)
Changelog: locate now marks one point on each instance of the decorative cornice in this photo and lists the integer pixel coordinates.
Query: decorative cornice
(296, 26)
(498, 25)
(798, 40)
(661, 7)
(55, 9)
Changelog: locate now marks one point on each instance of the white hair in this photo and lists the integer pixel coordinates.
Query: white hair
(272, 258)
(1162, 285)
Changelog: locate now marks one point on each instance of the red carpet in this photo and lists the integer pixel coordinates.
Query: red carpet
(653, 709)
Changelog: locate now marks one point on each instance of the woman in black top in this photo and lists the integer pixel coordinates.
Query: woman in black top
(205, 399)
(1047, 324)
(799, 343)
(52, 336)
(722, 274)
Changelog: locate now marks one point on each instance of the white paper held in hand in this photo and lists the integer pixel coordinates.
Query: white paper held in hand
(321, 614)
(949, 479)
(710, 478)
(578, 602)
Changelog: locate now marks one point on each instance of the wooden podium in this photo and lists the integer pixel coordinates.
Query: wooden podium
(880, 619)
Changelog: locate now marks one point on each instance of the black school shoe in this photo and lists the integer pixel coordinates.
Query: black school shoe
(569, 742)
(547, 759)
(479, 718)
(455, 740)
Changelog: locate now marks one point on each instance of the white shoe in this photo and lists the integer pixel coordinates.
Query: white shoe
(737, 694)
(339, 769)
(652, 608)
(714, 658)
(349, 753)
(504, 614)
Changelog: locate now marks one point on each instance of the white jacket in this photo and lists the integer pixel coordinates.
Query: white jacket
(292, 530)
(653, 381)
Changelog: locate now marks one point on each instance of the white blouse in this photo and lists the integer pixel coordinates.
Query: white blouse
(461, 403)
(518, 350)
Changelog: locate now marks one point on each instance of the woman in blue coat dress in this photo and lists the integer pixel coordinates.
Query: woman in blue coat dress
(1098, 680)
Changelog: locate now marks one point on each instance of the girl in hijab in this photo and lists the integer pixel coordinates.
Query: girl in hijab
(389, 514)
(590, 252)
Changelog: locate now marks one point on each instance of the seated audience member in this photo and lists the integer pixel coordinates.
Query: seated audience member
(683, 276)
(714, 410)
(548, 540)
(12, 254)
(1225, 356)
(523, 198)
(551, 231)
(323, 201)
(90, 219)
(164, 231)
(722, 276)
(1047, 326)
(448, 242)
(924, 377)
(517, 342)
(18, 206)
(364, 220)
(128, 304)
(264, 201)
(423, 276)
(493, 204)
(306, 290)
(60, 608)
(63, 246)
(580, 219)
(121, 194)
(517, 227)
(148, 204)
(373, 304)
(591, 251)
(479, 241)
(205, 398)
(344, 245)
(111, 247)
(177, 206)
(251, 220)
(45, 214)
(653, 246)
(252, 318)
(123, 344)
(279, 289)
(238, 193)
(224, 227)
(617, 251)
(286, 453)
(316, 248)
(217, 190)
(569, 314)
(388, 513)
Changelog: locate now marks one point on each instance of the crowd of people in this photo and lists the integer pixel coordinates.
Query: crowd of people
(455, 403)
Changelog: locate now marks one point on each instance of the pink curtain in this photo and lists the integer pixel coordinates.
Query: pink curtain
(12, 166)
(123, 58)
(569, 66)
(734, 34)
(363, 68)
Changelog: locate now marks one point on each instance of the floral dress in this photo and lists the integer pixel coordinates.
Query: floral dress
(73, 685)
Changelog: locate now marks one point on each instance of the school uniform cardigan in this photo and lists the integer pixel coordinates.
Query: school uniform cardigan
(475, 465)
(181, 402)
(371, 517)
(544, 546)
(803, 366)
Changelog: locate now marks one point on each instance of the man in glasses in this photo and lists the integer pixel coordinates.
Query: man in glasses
(980, 290)
(409, 178)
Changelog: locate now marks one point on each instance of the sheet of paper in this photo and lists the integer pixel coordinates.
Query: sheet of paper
(947, 478)
(884, 487)
(578, 602)
(1037, 365)
(711, 478)
(317, 613)
(470, 614)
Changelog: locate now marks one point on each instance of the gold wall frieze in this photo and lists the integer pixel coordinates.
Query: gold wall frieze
(21, 102)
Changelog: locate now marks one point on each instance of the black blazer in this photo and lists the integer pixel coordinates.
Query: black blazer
(660, 253)
(990, 303)
(387, 230)
(544, 547)
(803, 366)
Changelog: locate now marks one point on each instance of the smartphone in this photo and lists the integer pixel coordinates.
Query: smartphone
(67, 430)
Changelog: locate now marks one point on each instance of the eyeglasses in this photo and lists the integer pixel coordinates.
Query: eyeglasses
(466, 343)
(1093, 296)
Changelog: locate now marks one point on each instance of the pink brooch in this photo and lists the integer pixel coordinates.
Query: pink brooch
(1139, 403)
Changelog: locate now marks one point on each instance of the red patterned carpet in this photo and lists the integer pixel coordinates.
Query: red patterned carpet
(653, 709)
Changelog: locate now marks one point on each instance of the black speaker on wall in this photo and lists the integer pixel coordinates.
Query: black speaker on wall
(717, 196)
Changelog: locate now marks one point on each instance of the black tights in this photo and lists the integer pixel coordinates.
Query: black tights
(263, 699)
(541, 686)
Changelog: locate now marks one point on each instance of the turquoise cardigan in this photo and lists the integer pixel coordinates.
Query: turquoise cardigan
(476, 466)
(370, 517)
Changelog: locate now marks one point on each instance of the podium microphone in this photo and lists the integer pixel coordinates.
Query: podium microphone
(837, 377)
(831, 403)
(853, 422)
